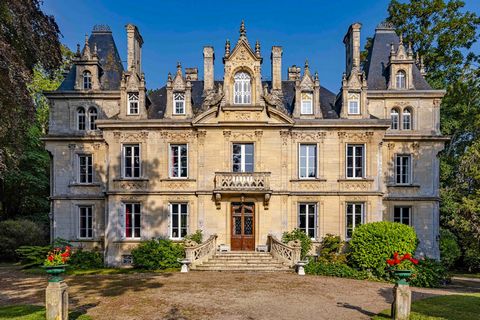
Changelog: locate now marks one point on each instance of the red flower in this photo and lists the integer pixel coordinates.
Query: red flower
(50, 258)
(390, 262)
(415, 261)
(67, 248)
(406, 256)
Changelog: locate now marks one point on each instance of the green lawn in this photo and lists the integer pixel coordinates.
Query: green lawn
(466, 275)
(28, 312)
(453, 307)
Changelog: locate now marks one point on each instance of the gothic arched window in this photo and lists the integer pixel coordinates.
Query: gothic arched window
(400, 80)
(394, 115)
(87, 80)
(81, 119)
(407, 119)
(92, 118)
(242, 88)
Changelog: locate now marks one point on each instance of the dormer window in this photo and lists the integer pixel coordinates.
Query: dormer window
(394, 115)
(353, 104)
(400, 80)
(133, 103)
(92, 118)
(178, 103)
(307, 103)
(81, 119)
(87, 80)
(407, 119)
(242, 88)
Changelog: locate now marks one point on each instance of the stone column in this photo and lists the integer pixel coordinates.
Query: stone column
(402, 302)
(56, 301)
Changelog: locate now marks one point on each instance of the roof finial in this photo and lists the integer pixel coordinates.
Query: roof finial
(169, 78)
(401, 39)
(227, 48)
(410, 50)
(78, 50)
(306, 64)
(179, 67)
(243, 31)
(95, 49)
(86, 39)
(316, 75)
(417, 58)
(257, 49)
(392, 49)
(422, 67)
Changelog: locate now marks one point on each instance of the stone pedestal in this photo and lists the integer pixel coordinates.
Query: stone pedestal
(57, 301)
(402, 302)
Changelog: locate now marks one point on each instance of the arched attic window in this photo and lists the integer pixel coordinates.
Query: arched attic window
(92, 118)
(81, 119)
(395, 117)
(242, 91)
(87, 80)
(400, 80)
(407, 119)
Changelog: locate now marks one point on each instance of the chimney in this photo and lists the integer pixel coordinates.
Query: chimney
(352, 48)
(293, 73)
(276, 58)
(208, 58)
(134, 48)
(191, 73)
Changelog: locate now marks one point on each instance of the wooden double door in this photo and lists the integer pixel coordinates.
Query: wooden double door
(243, 226)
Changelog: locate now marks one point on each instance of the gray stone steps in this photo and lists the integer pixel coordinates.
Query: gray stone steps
(242, 261)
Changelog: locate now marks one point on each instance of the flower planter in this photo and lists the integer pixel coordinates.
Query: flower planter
(55, 272)
(403, 276)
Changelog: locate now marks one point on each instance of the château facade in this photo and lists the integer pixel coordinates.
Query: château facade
(242, 157)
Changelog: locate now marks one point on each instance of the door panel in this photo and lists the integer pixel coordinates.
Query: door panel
(243, 227)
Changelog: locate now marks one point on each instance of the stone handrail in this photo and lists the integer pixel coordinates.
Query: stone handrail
(290, 255)
(197, 254)
(247, 181)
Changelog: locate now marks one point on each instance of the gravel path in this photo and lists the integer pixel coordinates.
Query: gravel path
(205, 295)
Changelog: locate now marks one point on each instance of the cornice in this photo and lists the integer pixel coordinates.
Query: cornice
(401, 94)
(77, 94)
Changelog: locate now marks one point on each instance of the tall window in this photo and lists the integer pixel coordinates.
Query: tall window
(355, 216)
(86, 222)
(132, 220)
(407, 119)
(133, 103)
(403, 168)
(400, 80)
(178, 220)
(178, 103)
(395, 119)
(402, 215)
(92, 118)
(355, 161)
(242, 88)
(131, 161)
(307, 103)
(85, 167)
(179, 161)
(307, 219)
(308, 161)
(242, 157)
(81, 119)
(87, 80)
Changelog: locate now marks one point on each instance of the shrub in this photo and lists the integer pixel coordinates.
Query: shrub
(335, 269)
(373, 243)
(471, 259)
(449, 248)
(429, 273)
(331, 248)
(197, 236)
(17, 233)
(297, 234)
(85, 259)
(157, 254)
(32, 256)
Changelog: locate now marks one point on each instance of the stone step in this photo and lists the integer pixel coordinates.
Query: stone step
(242, 261)
(217, 263)
(242, 258)
(240, 268)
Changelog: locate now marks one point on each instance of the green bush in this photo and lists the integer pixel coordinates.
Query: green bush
(17, 233)
(335, 269)
(157, 254)
(297, 234)
(197, 236)
(331, 249)
(449, 248)
(429, 273)
(471, 259)
(85, 259)
(32, 256)
(373, 243)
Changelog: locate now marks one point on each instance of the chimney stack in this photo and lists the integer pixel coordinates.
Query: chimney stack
(293, 73)
(134, 49)
(276, 58)
(208, 59)
(352, 48)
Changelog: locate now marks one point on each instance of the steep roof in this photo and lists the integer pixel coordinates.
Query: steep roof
(109, 59)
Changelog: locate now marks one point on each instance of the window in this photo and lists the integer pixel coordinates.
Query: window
(87, 80)
(353, 107)
(131, 161)
(355, 161)
(402, 215)
(407, 119)
(242, 88)
(395, 119)
(92, 117)
(307, 103)
(402, 169)
(178, 220)
(308, 161)
(307, 219)
(242, 157)
(132, 220)
(133, 103)
(400, 80)
(86, 222)
(178, 103)
(179, 161)
(354, 217)
(81, 119)
(85, 168)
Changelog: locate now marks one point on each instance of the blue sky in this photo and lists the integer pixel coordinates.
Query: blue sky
(177, 30)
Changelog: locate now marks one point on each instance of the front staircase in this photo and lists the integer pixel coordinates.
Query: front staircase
(242, 261)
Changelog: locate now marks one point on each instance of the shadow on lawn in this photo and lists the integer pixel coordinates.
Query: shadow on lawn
(357, 308)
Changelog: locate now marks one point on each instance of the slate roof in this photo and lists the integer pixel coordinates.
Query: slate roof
(109, 59)
(376, 67)
(158, 99)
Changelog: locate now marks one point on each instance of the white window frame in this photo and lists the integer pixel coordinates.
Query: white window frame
(395, 113)
(307, 162)
(307, 226)
(355, 145)
(89, 211)
(307, 103)
(243, 156)
(350, 109)
(82, 113)
(88, 165)
(179, 97)
(170, 161)
(401, 80)
(362, 216)
(407, 113)
(124, 163)
(87, 80)
(242, 88)
(180, 214)
(399, 169)
(133, 225)
(94, 121)
(133, 98)
(402, 214)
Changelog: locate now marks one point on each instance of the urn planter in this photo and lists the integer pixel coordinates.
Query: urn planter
(55, 272)
(403, 276)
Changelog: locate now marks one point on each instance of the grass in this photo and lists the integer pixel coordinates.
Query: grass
(452, 307)
(29, 312)
(466, 275)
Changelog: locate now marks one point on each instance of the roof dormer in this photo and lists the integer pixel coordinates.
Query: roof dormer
(307, 95)
(401, 67)
(88, 68)
(179, 95)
